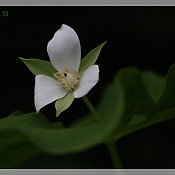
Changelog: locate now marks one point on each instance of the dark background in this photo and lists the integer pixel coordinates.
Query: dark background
(136, 36)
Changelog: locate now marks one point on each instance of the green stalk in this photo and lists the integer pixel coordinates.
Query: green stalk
(114, 154)
(110, 144)
(91, 108)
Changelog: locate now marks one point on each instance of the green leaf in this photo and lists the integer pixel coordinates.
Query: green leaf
(106, 108)
(138, 105)
(15, 154)
(37, 66)
(136, 119)
(33, 120)
(154, 84)
(157, 118)
(53, 138)
(17, 112)
(83, 121)
(163, 110)
(167, 99)
(63, 103)
(14, 141)
(90, 59)
(77, 139)
(137, 100)
(24, 122)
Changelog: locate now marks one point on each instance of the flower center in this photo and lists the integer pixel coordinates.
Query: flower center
(67, 79)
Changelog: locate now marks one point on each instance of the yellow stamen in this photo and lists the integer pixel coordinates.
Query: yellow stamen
(67, 79)
(76, 74)
(59, 84)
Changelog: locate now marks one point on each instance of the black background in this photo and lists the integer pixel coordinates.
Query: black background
(136, 36)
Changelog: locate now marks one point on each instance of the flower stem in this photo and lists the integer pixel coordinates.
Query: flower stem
(91, 108)
(110, 144)
(114, 154)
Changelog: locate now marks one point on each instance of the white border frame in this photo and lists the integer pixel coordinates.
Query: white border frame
(87, 2)
(87, 171)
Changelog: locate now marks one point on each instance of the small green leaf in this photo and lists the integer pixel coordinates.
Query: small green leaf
(167, 99)
(63, 103)
(137, 99)
(136, 119)
(154, 84)
(90, 59)
(37, 66)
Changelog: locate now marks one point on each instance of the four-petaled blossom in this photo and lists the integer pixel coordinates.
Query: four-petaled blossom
(65, 54)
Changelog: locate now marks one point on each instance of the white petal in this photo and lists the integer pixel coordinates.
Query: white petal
(64, 49)
(47, 91)
(88, 80)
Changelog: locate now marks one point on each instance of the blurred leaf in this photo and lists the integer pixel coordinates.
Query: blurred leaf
(157, 118)
(167, 99)
(14, 127)
(63, 103)
(90, 59)
(138, 104)
(154, 84)
(17, 112)
(37, 66)
(136, 119)
(30, 120)
(53, 138)
(126, 106)
(137, 100)
(164, 109)
(16, 153)
(106, 107)
(109, 101)
(77, 139)
(83, 121)
(14, 147)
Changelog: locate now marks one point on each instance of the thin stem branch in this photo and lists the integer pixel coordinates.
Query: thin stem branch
(110, 144)
(114, 154)
(91, 108)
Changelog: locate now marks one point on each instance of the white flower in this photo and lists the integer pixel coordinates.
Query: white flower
(65, 54)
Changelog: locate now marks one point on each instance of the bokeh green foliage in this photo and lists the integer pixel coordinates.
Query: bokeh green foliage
(134, 100)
